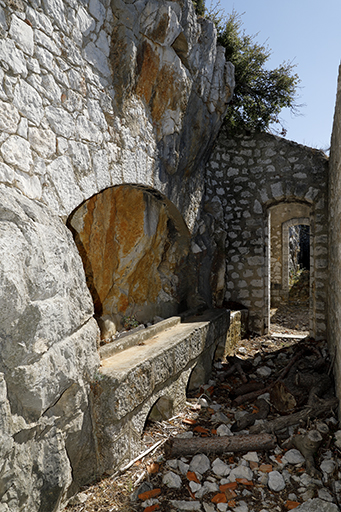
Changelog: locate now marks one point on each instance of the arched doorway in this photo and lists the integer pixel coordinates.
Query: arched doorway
(290, 271)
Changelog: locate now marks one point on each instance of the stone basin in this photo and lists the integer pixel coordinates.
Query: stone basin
(162, 362)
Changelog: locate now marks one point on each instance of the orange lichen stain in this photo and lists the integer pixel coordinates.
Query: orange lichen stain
(144, 282)
(148, 63)
(124, 242)
(130, 206)
(164, 93)
(160, 31)
(122, 303)
(92, 249)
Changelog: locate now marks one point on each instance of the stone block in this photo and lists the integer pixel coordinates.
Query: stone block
(131, 382)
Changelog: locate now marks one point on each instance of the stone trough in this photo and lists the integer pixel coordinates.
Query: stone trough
(154, 366)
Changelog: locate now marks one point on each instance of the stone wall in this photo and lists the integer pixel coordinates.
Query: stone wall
(93, 94)
(334, 240)
(246, 177)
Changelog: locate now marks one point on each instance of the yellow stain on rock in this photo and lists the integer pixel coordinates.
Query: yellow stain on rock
(121, 255)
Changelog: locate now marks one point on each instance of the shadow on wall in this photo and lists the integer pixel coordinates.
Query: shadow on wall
(134, 245)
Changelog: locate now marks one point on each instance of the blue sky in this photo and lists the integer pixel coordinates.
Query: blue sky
(308, 33)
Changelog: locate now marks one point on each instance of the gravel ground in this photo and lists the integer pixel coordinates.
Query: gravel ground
(243, 482)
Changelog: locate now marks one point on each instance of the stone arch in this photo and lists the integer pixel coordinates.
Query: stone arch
(162, 409)
(281, 216)
(134, 245)
(292, 212)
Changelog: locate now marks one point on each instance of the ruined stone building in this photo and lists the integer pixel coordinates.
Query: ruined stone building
(122, 199)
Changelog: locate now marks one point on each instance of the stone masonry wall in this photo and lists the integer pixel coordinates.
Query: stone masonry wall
(95, 94)
(334, 290)
(246, 176)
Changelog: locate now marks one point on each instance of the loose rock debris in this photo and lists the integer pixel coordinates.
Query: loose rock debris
(289, 397)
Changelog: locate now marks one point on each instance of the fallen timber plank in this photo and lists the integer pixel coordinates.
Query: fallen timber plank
(289, 336)
(258, 442)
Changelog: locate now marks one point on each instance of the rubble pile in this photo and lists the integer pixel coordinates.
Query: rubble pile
(261, 436)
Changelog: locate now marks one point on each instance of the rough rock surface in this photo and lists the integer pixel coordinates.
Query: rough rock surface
(47, 357)
(93, 94)
(134, 246)
(317, 505)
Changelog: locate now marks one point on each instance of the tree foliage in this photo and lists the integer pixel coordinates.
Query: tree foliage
(260, 94)
(199, 6)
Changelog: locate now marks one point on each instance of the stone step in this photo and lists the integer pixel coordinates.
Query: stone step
(165, 351)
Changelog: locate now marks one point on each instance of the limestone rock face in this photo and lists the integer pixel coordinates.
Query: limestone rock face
(93, 94)
(134, 245)
(168, 58)
(47, 357)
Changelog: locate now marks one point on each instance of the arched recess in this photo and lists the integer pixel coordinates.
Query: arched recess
(163, 409)
(134, 245)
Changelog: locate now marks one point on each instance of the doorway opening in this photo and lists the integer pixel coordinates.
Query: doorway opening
(299, 263)
(290, 270)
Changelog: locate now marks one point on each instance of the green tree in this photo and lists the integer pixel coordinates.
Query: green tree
(199, 6)
(260, 93)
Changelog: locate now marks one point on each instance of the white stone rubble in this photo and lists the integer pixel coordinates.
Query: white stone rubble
(200, 464)
(276, 481)
(172, 480)
(293, 456)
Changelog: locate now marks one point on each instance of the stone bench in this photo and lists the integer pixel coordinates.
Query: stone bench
(163, 366)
